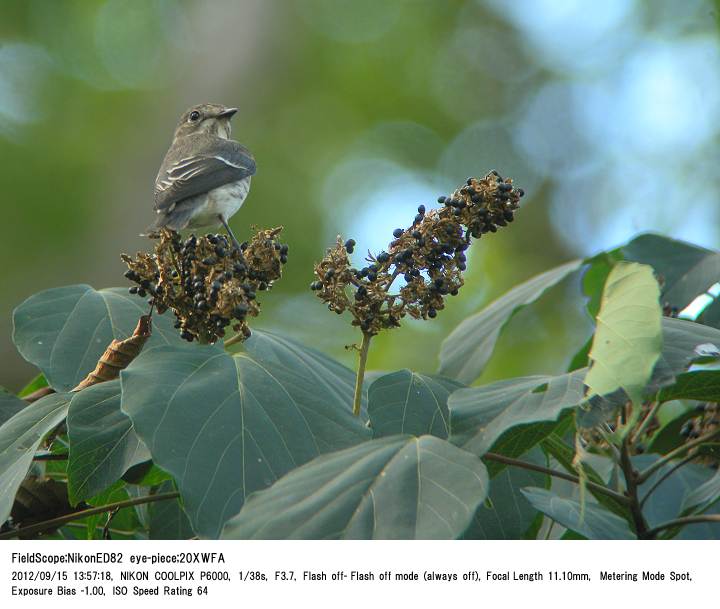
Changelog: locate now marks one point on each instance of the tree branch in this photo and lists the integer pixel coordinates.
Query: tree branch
(557, 474)
(632, 483)
(58, 522)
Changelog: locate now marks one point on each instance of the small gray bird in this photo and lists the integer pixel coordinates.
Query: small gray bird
(205, 176)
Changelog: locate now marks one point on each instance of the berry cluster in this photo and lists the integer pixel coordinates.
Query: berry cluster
(429, 255)
(208, 284)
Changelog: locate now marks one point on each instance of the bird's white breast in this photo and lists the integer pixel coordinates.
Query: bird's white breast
(224, 200)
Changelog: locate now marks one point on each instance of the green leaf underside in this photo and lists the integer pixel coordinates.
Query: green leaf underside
(507, 514)
(19, 439)
(687, 270)
(406, 402)
(64, 331)
(103, 444)
(168, 520)
(224, 426)
(480, 416)
(390, 488)
(10, 405)
(466, 351)
(591, 521)
(628, 338)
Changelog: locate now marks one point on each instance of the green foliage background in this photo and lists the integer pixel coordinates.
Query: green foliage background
(97, 89)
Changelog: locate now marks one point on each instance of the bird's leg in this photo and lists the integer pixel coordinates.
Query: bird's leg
(235, 242)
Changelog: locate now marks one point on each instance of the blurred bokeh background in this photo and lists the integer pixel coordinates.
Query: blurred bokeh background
(606, 113)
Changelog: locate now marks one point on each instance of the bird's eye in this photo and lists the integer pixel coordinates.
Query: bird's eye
(194, 115)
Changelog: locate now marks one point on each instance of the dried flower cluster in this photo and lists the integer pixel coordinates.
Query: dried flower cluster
(429, 255)
(208, 284)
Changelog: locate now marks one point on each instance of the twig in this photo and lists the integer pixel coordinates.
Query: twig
(51, 457)
(364, 348)
(61, 520)
(644, 475)
(666, 475)
(678, 522)
(557, 474)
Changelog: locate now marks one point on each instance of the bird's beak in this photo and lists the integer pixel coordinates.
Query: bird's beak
(227, 113)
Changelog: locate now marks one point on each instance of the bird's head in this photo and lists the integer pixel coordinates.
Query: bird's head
(213, 119)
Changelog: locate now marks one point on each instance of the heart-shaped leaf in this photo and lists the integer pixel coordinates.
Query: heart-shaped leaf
(628, 337)
(19, 439)
(480, 417)
(224, 426)
(466, 351)
(103, 444)
(391, 488)
(590, 520)
(64, 331)
(406, 402)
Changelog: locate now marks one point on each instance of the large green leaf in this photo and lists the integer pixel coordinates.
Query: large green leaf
(406, 402)
(19, 439)
(390, 488)
(168, 520)
(701, 385)
(466, 351)
(703, 496)
(683, 343)
(506, 514)
(224, 426)
(686, 270)
(507, 412)
(590, 520)
(711, 314)
(103, 444)
(10, 405)
(64, 331)
(628, 338)
(333, 379)
(674, 493)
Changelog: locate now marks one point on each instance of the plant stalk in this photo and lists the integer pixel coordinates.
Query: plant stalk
(364, 348)
(61, 520)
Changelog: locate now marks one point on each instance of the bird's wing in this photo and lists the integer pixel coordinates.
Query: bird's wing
(208, 164)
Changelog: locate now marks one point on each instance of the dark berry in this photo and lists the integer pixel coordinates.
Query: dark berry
(397, 233)
(421, 210)
(133, 290)
(432, 313)
(220, 251)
